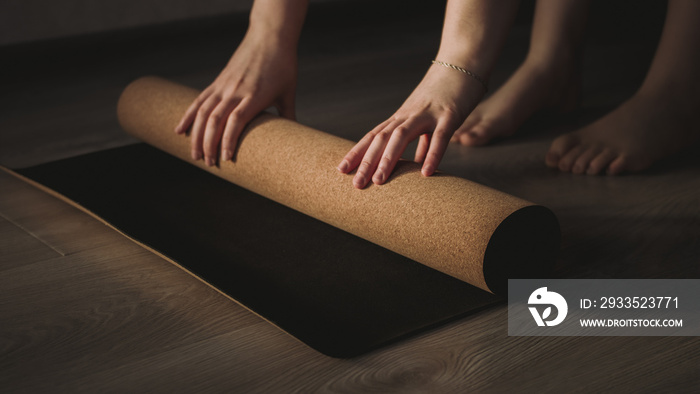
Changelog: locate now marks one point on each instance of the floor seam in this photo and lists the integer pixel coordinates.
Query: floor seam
(26, 230)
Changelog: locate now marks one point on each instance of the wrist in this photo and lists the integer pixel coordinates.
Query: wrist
(277, 22)
(476, 77)
(476, 60)
(265, 38)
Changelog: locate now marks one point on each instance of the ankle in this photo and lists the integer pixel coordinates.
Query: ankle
(552, 60)
(678, 94)
(550, 67)
(557, 78)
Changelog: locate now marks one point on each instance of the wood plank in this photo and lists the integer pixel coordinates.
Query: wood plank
(41, 215)
(102, 307)
(18, 247)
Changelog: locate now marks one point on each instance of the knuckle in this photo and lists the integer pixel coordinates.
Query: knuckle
(227, 142)
(440, 133)
(434, 156)
(385, 163)
(401, 132)
(216, 117)
(238, 112)
(352, 156)
(396, 118)
(385, 134)
(365, 164)
(374, 132)
(451, 112)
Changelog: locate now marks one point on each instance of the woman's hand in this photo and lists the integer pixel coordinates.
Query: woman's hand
(473, 33)
(435, 109)
(261, 73)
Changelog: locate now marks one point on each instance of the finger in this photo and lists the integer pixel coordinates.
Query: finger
(191, 112)
(400, 137)
(422, 149)
(215, 128)
(354, 157)
(370, 161)
(236, 122)
(438, 145)
(199, 125)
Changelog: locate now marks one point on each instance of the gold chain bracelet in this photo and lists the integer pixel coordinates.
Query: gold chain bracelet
(465, 71)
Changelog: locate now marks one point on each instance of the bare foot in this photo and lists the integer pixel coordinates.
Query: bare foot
(644, 129)
(533, 87)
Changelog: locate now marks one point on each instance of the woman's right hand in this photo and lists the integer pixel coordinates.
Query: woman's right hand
(261, 73)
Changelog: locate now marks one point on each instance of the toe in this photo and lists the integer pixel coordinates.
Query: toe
(570, 157)
(601, 161)
(559, 148)
(583, 161)
(464, 134)
(468, 139)
(478, 135)
(457, 136)
(468, 134)
(618, 165)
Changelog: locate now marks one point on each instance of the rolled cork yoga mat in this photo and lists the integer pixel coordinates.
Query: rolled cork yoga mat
(469, 231)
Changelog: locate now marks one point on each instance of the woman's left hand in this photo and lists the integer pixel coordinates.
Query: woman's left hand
(435, 109)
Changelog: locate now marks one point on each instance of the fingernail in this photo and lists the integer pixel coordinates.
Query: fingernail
(210, 161)
(379, 178)
(228, 155)
(177, 129)
(428, 170)
(196, 155)
(359, 182)
(343, 167)
(577, 169)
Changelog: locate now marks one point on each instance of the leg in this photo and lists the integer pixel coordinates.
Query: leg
(548, 79)
(658, 121)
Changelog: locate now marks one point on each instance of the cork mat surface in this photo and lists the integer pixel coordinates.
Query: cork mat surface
(472, 232)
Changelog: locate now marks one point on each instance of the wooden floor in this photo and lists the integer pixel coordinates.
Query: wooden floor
(83, 309)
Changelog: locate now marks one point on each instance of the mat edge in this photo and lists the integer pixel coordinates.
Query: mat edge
(81, 208)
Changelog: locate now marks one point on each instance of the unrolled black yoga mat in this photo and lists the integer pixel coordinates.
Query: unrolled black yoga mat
(338, 293)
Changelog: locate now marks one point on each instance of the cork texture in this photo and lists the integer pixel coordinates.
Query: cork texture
(444, 222)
